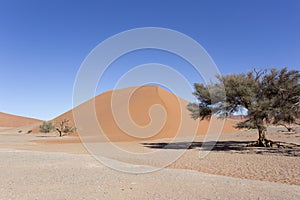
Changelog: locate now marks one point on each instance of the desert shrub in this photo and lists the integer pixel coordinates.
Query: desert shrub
(64, 128)
(47, 127)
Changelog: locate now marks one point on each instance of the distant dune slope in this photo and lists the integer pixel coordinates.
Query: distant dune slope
(9, 120)
(153, 113)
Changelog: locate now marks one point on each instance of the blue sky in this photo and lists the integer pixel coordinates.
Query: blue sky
(43, 43)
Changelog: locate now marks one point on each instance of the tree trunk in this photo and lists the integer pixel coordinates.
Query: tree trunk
(262, 140)
(261, 133)
(289, 128)
(60, 132)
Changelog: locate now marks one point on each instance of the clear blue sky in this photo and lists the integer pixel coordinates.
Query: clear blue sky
(43, 43)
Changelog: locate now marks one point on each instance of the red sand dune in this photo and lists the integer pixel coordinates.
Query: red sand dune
(8, 120)
(154, 113)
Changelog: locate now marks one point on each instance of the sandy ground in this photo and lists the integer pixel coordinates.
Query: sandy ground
(139, 112)
(9, 120)
(47, 167)
(41, 175)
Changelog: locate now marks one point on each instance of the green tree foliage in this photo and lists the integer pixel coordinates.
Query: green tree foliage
(47, 127)
(269, 96)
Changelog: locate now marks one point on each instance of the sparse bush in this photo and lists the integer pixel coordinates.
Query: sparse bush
(64, 128)
(47, 127)
(29, 131)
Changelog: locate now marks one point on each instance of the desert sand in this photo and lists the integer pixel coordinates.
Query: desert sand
(39, 175)
(45, 166)
(136, 113)
(41, 166)
(9, 120)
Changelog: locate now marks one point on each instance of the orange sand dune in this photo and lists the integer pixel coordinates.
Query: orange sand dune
(137, 113)
(8, 120)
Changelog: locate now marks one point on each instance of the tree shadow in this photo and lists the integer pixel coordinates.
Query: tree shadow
(45, 136)
(241, 147)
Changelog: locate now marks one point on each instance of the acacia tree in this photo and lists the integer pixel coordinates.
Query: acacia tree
(285, 87)
(63, 127)
(269, 96)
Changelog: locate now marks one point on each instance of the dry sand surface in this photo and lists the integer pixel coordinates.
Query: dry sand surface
(134, 113)
(35, 166)
(36, 175)
(8, 120)
(44, 166)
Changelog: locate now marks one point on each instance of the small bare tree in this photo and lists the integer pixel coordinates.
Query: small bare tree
(63, 127)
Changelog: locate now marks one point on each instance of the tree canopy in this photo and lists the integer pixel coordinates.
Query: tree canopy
(269, 96)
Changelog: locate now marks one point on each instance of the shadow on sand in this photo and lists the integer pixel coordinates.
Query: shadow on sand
(46, 136)
(242, 147)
